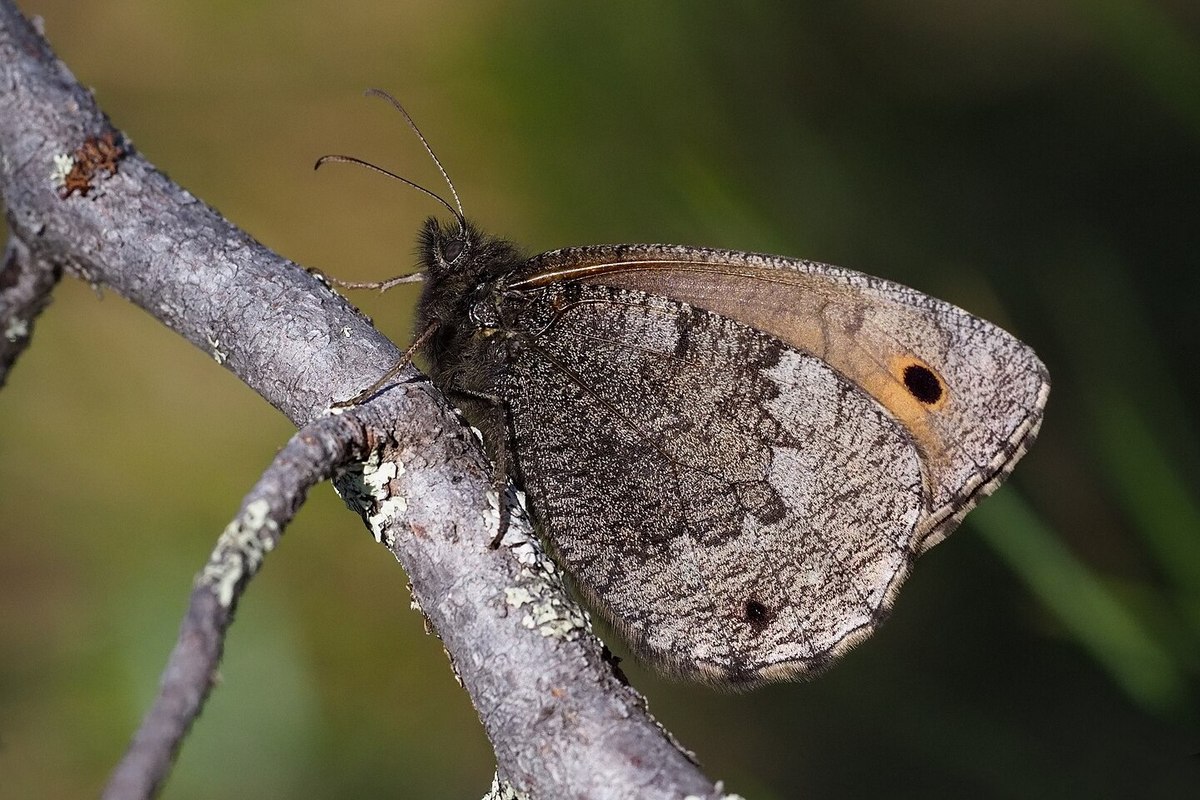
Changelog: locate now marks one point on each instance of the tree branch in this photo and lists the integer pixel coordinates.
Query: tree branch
(311, 456)
(561, 722)
(25, 286)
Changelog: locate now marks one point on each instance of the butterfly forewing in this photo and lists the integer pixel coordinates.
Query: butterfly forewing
(968, 393)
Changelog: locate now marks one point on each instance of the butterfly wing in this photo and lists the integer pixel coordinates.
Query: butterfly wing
(739, 456)
(969, 394)
(736, 506)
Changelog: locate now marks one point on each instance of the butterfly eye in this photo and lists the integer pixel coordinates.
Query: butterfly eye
(452, 249)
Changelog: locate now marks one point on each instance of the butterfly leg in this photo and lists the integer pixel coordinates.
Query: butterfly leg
(500, 485)
(382, 286)
(404, 361)
(486, 412)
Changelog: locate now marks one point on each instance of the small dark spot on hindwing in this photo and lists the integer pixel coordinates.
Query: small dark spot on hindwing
(756, 613)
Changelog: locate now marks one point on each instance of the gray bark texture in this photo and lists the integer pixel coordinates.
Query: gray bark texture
(562, 723)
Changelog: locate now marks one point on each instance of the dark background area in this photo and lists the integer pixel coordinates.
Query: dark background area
(1033, 162)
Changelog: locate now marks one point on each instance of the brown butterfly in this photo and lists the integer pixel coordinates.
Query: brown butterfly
(736, 456)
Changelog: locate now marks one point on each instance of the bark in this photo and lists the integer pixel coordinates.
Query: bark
(560, 719)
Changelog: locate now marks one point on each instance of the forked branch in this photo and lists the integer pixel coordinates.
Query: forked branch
(561, 722)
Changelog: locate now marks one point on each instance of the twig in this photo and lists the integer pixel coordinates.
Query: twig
(310, 457)
(25, 286)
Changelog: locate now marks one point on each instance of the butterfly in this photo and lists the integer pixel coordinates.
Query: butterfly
(737, 457)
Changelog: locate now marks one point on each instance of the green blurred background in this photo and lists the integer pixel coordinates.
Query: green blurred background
(1034, 162)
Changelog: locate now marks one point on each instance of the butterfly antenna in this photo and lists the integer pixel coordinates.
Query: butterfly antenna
(396, 103)
(375, 167)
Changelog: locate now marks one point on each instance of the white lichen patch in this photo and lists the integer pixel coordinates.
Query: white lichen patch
(369, 491)
(387, 506)
(16, 329)
(555, 619)
(240, 550)
(377, 474)
(219, 355)
(502, 790)
(517, 596)
(539, 593)
(491, 514)
(63, 164)
(413, 603)
(718, 794)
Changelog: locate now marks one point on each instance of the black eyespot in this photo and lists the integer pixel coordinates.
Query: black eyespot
(756, 613)
(922, 383)
(452, 249)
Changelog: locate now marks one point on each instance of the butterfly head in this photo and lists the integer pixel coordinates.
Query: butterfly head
(456, 252)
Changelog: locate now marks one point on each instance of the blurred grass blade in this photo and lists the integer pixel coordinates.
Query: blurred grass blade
(1150, 490)
(1140, 465)
(1085, 606)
